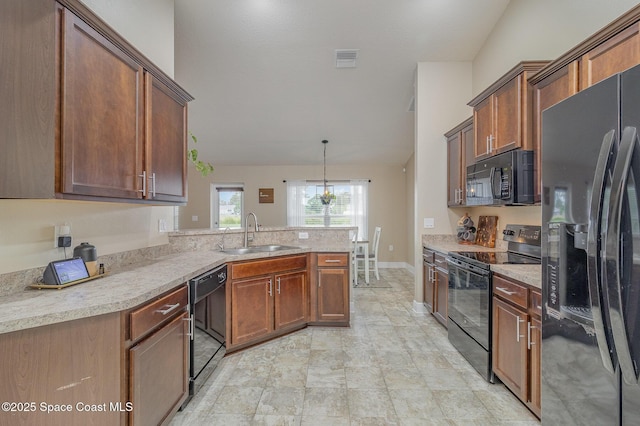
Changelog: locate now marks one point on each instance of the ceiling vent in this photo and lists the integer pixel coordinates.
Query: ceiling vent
(346, 58)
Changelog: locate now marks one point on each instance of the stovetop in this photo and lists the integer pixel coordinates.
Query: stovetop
(523, 249)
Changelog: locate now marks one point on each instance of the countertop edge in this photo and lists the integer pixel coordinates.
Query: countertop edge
(128, 288)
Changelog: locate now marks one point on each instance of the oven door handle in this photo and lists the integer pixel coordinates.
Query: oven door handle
(467, 266)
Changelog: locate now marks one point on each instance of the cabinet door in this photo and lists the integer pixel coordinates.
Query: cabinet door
(468, 157)
(333, 294)
(291, 299)
(616, 54)
(101, 115)
(548, 92)
(166, 143)
(62, 364)
(454, 183)
(159, 373)
(536, 342)
(507, 134)
(251, 309)
(429, 288)
(442, 296)
(510, 351)
(483, 119)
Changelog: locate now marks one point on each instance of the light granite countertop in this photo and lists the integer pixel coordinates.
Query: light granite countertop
(121, 290)
(528, 274)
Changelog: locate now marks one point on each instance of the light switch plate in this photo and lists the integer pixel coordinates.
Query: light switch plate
(429, 222)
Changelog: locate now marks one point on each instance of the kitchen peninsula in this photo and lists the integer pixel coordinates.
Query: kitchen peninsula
(102, 338)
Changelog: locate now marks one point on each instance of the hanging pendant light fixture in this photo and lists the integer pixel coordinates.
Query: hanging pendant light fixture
(326, 196)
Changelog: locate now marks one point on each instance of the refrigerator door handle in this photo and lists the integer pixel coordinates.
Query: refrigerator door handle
(612, 272)
(593, 250)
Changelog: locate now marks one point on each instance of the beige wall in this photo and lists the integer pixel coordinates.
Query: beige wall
(442, 91)
(147, 24)
(387, 197)
(410, 173)
(27, 226)
(540, 29)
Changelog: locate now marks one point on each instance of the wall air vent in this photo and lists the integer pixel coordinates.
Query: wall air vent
(346, 58)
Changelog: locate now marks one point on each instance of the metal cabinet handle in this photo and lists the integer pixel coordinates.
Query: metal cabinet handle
(504, 290)
(490, 143)
(153, 184)
(518, 321)
(332, 261)
(169, 309)
(529, 341)
(191, 330)
(488, 151)
(144, 183)
(270, 287)
(278, 281)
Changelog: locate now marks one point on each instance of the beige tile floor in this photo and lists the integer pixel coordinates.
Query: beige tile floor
(391, 367)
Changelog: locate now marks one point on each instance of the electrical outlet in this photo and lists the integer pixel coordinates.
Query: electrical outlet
(162, 225)
(429, 222)
(303, 235)
(390, 247)
(60, 231)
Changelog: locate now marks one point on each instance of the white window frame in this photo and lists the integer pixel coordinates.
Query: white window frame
(301, 191)
(216, 188)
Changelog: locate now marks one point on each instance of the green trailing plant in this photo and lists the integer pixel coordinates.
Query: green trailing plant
(192, 155)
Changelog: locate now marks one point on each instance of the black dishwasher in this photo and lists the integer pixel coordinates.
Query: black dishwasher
(208, 322)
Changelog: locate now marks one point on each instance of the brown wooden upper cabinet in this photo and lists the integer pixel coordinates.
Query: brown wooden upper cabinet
(613, 49)
(166, 143)
(101, 115)
(97, 120)
(618, 53)
(501, 114)
(460, 154)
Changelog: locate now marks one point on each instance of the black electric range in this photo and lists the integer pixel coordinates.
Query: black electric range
(470, 292)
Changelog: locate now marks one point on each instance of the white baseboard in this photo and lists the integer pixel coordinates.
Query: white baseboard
(419, 308)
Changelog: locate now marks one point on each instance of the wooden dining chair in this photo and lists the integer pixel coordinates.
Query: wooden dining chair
(373, 253)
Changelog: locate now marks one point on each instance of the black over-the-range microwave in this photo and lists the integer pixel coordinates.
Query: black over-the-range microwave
(504, 179)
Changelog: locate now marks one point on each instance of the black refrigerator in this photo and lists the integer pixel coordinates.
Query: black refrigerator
(591, 255)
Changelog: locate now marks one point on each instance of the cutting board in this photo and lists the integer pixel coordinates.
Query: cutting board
(487, 229)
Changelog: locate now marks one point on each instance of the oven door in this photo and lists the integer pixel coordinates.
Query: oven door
(470, 300)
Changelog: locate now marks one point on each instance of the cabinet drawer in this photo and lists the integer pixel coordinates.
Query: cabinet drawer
(428, 255)
(148, 317)
(267, 266)
(509, 290)
(333, 259)
(535, 303)
(441, 261)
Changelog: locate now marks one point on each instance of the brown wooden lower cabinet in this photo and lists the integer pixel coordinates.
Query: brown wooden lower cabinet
(159, 373)
(72, 364)
(266, 298)
(517, 336)
(442, 294)
(329, 289)
(157, 357)
(333, 294)
(510, 354)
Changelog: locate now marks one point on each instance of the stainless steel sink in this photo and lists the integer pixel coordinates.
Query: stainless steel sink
(258, 249)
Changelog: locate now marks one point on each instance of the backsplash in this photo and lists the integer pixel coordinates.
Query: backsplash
(194, 240)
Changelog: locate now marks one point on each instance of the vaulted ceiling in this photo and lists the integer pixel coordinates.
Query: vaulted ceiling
(267, 89)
